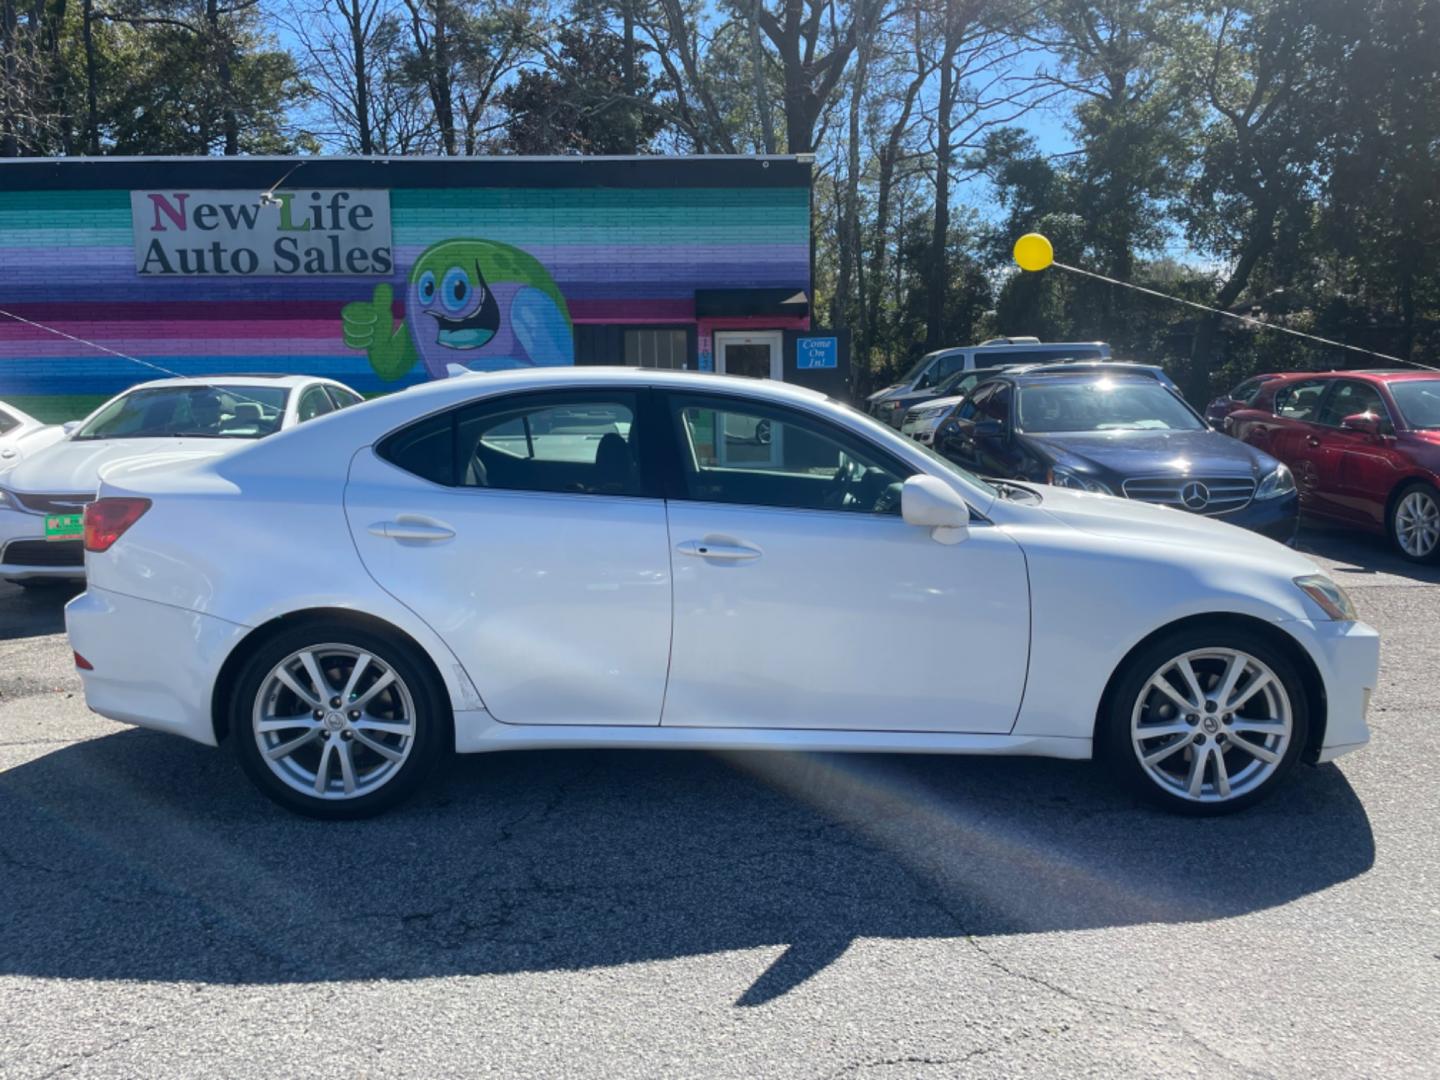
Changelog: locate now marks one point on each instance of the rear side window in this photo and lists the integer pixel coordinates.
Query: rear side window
(1350, 398)
(576, 443)
(1246, 391)
(7, 422)
(1301, 400)
(315, 402)
(426, 449)
(343, 398)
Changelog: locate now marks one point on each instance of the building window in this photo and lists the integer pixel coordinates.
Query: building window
(656, 348)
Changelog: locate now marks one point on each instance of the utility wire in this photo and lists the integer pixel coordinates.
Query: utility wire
(1248, 319)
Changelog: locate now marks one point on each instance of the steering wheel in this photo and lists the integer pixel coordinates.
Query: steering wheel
(840, 495)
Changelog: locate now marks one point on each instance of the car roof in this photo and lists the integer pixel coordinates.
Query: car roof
(285, 381)
(544, 378)
(1051, 376)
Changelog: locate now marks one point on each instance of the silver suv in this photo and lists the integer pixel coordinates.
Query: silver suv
(921, 381)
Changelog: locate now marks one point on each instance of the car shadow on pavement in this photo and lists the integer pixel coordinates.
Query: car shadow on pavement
(1356, 552)
(26, 613)
(140, 857)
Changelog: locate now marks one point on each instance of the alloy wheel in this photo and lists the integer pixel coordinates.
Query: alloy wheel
(1417, 524)
(1211, 725)
(334, 722)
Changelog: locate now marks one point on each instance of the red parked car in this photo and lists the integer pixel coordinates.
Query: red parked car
(1217, 413)
(1364, 447)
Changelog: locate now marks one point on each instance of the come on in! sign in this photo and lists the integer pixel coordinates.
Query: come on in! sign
(301, 232)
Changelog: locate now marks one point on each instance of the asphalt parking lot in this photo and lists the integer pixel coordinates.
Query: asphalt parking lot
(668, 915)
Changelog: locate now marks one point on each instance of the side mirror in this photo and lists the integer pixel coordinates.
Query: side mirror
(929, 502)
(71, 426)
(1365, 423)
(989, 429)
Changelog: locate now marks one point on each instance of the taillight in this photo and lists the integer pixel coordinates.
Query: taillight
(107, 519)
(82, 663)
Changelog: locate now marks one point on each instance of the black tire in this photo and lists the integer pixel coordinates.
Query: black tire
(432, 720)
(1119, 751)
(1392, 514)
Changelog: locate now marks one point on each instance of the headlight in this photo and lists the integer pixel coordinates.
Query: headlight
(1280, 482)
(1332, 599)
(926, 414)
(1067, 478)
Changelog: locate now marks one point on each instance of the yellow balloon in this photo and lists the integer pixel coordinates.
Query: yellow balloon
(1033, 252)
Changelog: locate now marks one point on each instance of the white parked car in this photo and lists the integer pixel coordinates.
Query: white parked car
(41, 498)
(571, 557)
(22, 435)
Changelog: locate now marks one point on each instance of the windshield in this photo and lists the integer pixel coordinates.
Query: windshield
(919, 366)
(1419, 401)
(1102, 405)
(962, 382)
(204, 412)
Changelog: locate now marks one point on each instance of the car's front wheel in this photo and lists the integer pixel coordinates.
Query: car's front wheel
(336, 721)
(1205, 721)
(1415, 522)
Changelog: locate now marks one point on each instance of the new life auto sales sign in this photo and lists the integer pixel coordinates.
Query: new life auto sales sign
(300, 232)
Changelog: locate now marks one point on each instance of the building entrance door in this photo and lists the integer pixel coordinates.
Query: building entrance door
(755, 355)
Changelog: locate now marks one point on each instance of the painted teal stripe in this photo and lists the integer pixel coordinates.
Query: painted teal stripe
(67, 201)
(57, 237)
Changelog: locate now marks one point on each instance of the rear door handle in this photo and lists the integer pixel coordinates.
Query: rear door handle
(706, 549)
(408, 528)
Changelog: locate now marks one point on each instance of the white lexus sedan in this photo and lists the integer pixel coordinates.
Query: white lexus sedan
(590, 558)
(42, 497)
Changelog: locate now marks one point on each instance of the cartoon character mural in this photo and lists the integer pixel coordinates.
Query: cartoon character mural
(465, 296)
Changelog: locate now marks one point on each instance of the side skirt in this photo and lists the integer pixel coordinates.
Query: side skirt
(476, 732)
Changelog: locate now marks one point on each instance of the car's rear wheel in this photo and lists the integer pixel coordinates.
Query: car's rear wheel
(337, 721)
(1415, 522)
(1206, 721)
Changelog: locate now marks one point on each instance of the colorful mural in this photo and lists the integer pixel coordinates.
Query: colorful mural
(464, 297)
(537, 264)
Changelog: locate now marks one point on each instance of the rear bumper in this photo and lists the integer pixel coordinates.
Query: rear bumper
(1348, 658)
(154, 665)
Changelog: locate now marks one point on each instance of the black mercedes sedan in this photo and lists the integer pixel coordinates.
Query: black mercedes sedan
(1118, 434)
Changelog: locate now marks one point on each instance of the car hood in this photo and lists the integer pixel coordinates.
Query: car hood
(944, 402)
(1115, 518)
(1151, 453)
(75, 467)
(878, 394)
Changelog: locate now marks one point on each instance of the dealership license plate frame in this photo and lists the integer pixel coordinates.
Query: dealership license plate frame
(64, 526)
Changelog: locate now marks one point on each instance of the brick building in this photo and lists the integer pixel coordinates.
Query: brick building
(385, 272)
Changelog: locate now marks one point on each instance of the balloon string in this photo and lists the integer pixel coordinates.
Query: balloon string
(1248, 319)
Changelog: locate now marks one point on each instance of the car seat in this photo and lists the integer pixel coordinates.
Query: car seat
(614, 464)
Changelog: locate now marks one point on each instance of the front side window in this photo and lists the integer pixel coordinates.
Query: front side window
(1102, 404)
(1419, 402)
(1301, 400)
(971, 406)
(575, 443)
(735, 451)
(1350, 398)
(209, 412)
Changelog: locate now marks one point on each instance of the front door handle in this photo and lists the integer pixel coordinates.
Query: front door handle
(1312, 440)
(408, 528)
(708, 549)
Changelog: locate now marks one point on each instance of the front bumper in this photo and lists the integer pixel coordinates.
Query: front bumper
(22, 533)
(1347, 655)
(154, 665)
(1275, 518)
